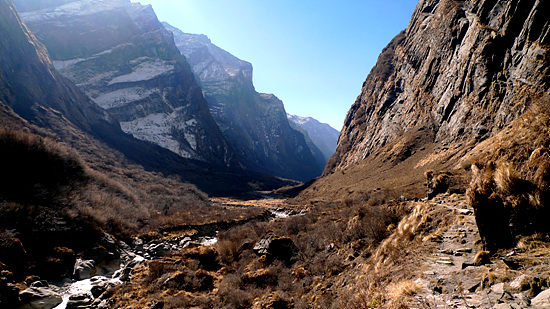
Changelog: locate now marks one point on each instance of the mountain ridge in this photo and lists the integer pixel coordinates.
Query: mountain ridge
(254, 123)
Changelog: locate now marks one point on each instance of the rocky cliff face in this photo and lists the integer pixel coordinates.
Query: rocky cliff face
(120, 55)
(255, 124)
(461, 71)
(322, 135)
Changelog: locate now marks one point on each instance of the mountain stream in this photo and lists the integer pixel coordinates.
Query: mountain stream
(86, 293)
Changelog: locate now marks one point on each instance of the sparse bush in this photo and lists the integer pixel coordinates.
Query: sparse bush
(231, 296)
(206, 256)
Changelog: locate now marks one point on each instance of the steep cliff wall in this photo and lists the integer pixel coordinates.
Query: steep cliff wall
(120, 55)
(31, 86)
(462, 70)
(255, 124)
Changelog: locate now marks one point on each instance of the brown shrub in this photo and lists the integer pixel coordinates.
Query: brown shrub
(231, 295)
(206, 256)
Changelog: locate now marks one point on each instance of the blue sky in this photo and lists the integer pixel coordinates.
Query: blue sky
(312, 54)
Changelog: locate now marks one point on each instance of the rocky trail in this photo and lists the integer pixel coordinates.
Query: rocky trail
(458, 274)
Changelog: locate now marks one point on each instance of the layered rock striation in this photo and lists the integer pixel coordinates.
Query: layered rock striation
(120, 55)
(462, 71)
(255, 124)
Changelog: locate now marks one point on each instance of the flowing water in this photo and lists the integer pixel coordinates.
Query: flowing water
(84, 287)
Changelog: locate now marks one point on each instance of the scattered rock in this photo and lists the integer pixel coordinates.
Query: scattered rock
(40, 284)
(473, 287)
(445, 262)
(157, 305)
(125, 272)
(463, 250)
(521, 283)
(513, 265)
(97, 290)
(447, 251)
(83, 269)
(464, 212)
(498, 288)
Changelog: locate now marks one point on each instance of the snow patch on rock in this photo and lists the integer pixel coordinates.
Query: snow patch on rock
(62, 65)
(124, 96)
(158, 128)
(146, 70)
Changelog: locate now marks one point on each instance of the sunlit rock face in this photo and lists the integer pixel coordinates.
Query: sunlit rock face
(255, 124)
(120, 55)
(464, 69)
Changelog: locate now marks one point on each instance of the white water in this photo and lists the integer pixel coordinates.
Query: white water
(85, 286)
(81, 287)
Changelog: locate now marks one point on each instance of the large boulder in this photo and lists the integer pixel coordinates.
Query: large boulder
(39, 298)
(542, 300)
(281, 248)
(84, 269)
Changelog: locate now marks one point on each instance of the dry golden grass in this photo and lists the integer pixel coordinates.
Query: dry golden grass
(331, 238)
(398, 292)
(384, 280)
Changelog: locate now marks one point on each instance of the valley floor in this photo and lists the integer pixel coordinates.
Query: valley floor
(403, 254)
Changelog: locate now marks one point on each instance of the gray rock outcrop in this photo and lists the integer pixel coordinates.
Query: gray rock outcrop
(273, 247)
(39, 298)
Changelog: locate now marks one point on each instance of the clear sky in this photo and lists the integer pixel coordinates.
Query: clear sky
(312, 54)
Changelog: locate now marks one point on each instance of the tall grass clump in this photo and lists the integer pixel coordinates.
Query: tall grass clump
(509, 190)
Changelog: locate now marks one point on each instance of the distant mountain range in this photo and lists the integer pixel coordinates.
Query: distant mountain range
(35, 94)
(322, 135)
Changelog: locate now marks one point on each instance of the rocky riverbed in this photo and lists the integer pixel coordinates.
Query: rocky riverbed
(93, 277)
